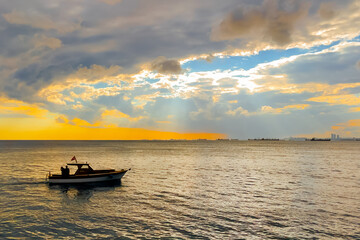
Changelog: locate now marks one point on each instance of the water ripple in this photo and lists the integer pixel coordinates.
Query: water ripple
(184, 190)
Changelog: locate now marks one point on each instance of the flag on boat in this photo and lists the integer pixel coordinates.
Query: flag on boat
(74, 159)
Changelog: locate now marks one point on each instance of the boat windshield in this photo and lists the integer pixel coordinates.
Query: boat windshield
(83, 168)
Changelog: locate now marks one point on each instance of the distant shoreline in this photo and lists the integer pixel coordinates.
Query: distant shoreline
(185, 140)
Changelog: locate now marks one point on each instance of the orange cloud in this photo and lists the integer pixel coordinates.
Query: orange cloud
(355, 109)
(165, 122)
(347, 99)
(337, 128)
(350, 128)
(354, 123)
(117, 114)
(82, 123)
(8, 106)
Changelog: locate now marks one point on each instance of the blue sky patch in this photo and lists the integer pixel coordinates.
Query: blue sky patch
(240, 62)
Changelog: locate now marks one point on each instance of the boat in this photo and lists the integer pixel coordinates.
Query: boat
(85, 174)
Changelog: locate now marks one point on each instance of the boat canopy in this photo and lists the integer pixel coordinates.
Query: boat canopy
(78, 164)
(83, 168)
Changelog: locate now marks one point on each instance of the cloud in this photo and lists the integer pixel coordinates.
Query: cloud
(350, 128)
(117, 114)
(331, 66)
(349, 99)
(286, 109)
(11, 107)
(267, 21)
(82, 61)
(286, 24)
(354, 123)
(166, 66)
(36, 21)
(95, 73)
(227, 82)
(82, 78)
(61, 119)
(205, 94)
(355, 109)
(44, 41)
(82, 123)
(238, 111)
(111, 2)
(129, 36)
(39, 20)
(327, 10)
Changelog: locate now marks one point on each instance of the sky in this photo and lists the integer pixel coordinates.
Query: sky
(166, 69)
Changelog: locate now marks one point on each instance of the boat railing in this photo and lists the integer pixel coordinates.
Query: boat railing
(47, 176)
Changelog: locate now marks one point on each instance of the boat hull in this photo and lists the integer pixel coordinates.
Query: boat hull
(87, 178)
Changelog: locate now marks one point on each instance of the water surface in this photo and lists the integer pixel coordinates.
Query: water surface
(189, 189)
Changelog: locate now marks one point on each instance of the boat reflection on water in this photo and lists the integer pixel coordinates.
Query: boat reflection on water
(83, 192)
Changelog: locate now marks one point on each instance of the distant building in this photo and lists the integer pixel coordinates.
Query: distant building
(335, 137)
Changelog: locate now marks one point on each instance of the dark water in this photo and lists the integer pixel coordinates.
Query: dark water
(183, 190)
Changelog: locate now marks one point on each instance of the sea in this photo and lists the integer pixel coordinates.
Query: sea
(183, 190)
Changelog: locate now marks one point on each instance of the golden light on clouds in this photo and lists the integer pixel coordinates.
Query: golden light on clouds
(337, 128)
(354, 123)
(257, 64)
(117, 114)
(35, 126)
(348, 128)
(8, 106)
(347, 99)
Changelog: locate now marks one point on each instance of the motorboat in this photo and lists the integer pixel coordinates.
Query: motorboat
(85, 174)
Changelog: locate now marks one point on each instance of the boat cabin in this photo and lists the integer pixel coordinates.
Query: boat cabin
(83, 168)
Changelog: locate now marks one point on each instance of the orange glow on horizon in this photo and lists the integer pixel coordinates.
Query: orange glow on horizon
(72, 132)
(40, 124)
